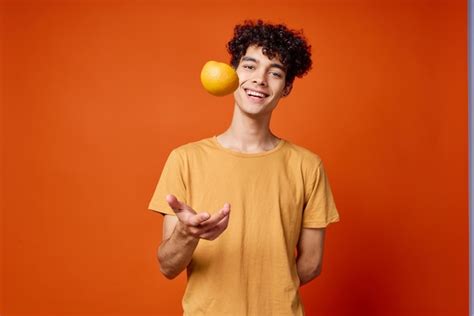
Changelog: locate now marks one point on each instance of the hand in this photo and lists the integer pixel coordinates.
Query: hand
(199, 225)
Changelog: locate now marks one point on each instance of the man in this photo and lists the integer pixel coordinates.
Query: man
(238, 205)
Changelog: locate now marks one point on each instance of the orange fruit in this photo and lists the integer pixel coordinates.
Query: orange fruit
(219, 79)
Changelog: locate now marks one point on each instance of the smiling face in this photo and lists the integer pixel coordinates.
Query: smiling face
(261, 82)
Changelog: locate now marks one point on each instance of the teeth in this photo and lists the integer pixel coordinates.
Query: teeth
(255, 94)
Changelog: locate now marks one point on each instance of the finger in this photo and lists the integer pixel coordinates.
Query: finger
(177, 205)
(174, 203)
(198, 219)
(216, 218)
(215, 231)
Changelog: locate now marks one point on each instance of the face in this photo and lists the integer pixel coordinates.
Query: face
(261, 82)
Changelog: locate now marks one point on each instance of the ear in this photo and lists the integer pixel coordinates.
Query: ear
(287, 89)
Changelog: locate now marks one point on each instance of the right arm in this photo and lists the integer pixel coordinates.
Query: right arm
(176, 249)
(181, 234)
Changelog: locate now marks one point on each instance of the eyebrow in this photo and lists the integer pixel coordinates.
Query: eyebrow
(246, 58)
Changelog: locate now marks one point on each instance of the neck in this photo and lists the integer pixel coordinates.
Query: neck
(248, 133)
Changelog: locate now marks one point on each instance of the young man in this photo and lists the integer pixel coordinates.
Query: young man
(242, 261)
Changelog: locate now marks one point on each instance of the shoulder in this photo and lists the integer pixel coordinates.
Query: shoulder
(307, 157)
(193, 147)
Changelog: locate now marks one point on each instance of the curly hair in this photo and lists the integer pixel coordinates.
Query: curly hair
(276, 40)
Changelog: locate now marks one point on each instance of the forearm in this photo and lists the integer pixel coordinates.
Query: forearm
(309, 259)
(175, 253)
(306, 270)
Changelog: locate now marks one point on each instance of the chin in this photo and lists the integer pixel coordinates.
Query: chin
(255, 112)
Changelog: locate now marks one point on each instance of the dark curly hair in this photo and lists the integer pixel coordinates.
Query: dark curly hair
(277, 40)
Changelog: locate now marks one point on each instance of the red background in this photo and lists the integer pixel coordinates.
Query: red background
(95, 94)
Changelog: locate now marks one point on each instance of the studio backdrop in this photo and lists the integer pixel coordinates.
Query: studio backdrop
(95, 94)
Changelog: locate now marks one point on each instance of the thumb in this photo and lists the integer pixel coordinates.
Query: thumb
(177, 205)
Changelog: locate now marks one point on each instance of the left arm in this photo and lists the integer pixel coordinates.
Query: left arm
(310, 254)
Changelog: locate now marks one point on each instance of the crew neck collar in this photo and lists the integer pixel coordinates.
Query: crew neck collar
(244, 154)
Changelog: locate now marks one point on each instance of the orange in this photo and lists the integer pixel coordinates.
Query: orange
(219, 79)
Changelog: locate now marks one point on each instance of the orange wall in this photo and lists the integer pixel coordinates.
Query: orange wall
(96, 94)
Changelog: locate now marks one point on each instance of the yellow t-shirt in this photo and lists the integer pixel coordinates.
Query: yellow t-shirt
(250, 269)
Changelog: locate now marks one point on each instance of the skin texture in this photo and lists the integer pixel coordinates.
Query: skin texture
(257, 72)
(181, 234)
(249, 132)
(310, 254)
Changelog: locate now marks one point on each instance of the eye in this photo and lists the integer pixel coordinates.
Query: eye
(276, 74)
(248, 67)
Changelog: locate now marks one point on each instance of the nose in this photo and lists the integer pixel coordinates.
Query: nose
(259, 79)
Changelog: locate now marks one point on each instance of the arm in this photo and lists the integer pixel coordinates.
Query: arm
(310, 254)
(176, 249)
(181, 234)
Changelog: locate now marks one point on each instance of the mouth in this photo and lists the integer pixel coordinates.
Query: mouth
(254, 94)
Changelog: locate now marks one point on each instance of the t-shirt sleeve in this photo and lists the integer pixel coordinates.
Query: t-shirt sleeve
(320, 209)
(171, 182)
